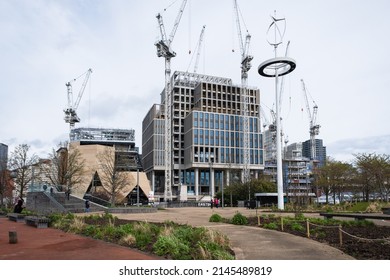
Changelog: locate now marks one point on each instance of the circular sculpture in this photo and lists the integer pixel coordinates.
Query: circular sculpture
(277, 66)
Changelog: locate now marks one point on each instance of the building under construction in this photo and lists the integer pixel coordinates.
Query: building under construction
(207, 136)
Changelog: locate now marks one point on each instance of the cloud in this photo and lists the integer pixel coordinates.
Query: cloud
(346, 149)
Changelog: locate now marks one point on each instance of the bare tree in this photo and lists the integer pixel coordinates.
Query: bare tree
(113, 181)
(21, 164)
(72, 168)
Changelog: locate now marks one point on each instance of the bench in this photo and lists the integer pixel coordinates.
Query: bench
(356, 216)
(16, 217)
(386, 210)
(39, 222)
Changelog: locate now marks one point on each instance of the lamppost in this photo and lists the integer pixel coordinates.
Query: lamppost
(137, 185)
(211, 161)
(275, 68)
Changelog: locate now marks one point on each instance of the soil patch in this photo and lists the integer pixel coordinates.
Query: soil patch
(363, 242)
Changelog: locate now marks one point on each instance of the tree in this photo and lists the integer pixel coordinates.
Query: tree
(334, 178)
(242, 191)
(21, 165)
(373, 174)
(65, 168)
(113, 180)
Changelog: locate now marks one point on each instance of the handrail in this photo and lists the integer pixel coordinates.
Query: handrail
(55, 202)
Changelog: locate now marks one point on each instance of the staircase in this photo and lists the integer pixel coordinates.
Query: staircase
(47, 203)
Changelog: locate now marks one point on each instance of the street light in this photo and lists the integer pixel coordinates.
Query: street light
(211, 161)
(277, 67)
(137, 185)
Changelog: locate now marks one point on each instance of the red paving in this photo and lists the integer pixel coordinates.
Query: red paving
(53, 244)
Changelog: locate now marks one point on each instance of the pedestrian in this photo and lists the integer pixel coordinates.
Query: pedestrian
(67, 193)
(211, 203)
(19, 206)
(216, 202)
(87, 205)
(51, 191)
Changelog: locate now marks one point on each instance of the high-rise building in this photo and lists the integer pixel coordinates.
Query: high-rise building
(207, 136)
(320, 151)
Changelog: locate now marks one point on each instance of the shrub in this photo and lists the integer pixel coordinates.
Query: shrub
(297, 227)
(89, 230)
(128, 240)
(215, 218)
(76, 225)
(239, 219)
(273, 226)
(171, 246)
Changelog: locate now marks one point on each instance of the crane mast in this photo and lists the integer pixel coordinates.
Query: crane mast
(164, 50)
(70, 113)
(245, 67)
(314, 128)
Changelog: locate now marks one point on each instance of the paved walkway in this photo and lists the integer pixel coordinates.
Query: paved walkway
(53, 244)
(249, 243)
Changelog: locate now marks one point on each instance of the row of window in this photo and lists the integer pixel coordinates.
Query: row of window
(231, 155)
(226, 122)
(225, 138)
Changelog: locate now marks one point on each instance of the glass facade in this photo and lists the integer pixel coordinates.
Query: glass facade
(224, 141)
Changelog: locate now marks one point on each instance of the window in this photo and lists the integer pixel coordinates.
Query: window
(195, 136)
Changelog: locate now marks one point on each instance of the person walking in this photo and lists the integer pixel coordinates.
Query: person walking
(67, 193)
(87, 205)
(211, 203)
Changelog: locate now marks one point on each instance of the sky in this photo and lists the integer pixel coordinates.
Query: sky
(341, 49)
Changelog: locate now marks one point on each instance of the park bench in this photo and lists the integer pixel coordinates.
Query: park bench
(356, 216)
(39, 222)
(16, 217)
(386, 210)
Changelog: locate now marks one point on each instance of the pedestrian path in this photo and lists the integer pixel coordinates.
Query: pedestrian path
(249, 243)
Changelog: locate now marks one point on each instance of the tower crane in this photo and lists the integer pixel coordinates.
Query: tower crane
(245, 67)
(198, 48)
(164, 50)
(314, 127)
(70, 113)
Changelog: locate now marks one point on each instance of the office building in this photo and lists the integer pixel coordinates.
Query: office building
(207, 136)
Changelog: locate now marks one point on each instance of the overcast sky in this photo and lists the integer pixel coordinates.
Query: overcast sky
(341, 49)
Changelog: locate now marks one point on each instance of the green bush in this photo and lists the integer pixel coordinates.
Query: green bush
(215, 218)
(90, 230)
(297, 227)
(239, 219)
(171, 246)
(273, 226)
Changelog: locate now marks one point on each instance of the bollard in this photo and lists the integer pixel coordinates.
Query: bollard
(340, 236)
(13, 237)
(258, 220)
(307, 228)
(281, 224)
